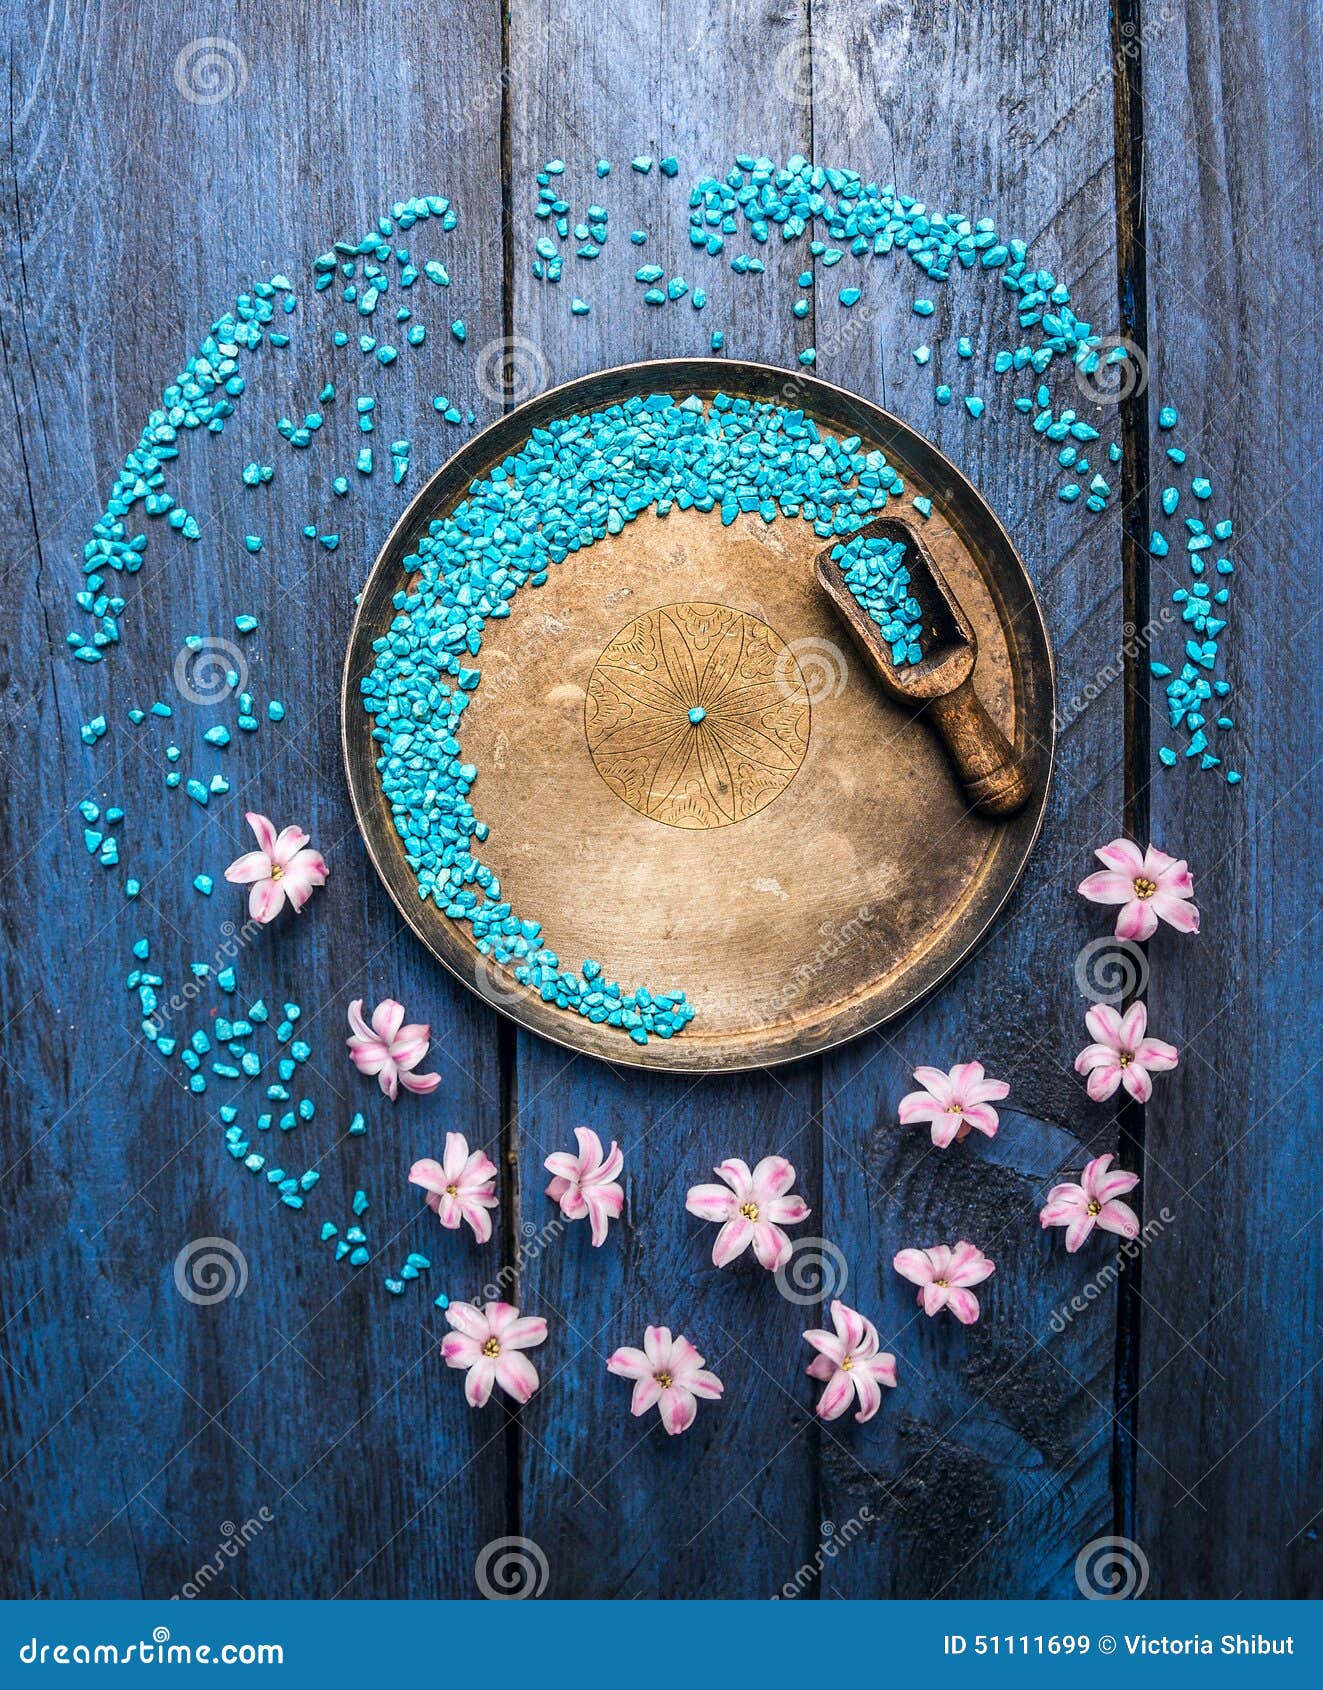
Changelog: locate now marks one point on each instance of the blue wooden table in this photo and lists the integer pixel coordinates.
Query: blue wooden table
(304, 1438)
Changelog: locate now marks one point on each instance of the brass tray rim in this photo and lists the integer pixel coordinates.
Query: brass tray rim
(699, 375)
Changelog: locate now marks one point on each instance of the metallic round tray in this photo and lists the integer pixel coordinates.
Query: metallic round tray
(838, 876)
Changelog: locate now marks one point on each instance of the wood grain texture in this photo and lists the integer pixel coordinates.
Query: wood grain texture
(998, 1440)
(731, 1505)
(1230, 1396)
(314, 1395)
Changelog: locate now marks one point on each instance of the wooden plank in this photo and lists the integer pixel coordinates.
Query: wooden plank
(619, 1508)
(987, 1468)
(325, 1406)
(1229, 1404)
(314, 1396)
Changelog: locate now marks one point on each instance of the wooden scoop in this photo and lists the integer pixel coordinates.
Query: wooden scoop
(941, 687)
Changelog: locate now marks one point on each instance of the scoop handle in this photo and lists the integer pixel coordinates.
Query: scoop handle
(994, 778)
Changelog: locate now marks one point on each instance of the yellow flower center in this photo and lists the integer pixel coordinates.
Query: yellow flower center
(452, 1191)
(491, 1348)
(847, 1364)
(1126, 1058)
(939, 1282)
(1095, 1207)
(664, 1380)
(1145, 888)
(276, 871)
(749, 1211)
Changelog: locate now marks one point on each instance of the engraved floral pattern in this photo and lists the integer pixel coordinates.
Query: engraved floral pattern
(697, 715)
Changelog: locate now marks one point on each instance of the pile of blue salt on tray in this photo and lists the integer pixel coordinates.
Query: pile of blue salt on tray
(573, 483)
(875, 572)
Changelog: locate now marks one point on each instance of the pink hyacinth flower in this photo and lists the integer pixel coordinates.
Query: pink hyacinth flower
(1093, 1202)
(668, 1372)
(490, 1342)
(753, 1207)
(944, 1274)
(586, 1184)
(852, 1362)
(1122, 1055)
(389, 1049)
(955, 1103)
(283, 866)
(461, 1187)
(1150, 887)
